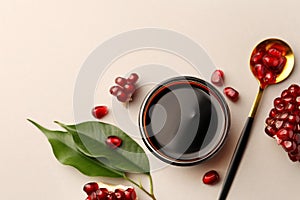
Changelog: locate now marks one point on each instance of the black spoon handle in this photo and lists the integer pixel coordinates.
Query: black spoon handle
(236, 158)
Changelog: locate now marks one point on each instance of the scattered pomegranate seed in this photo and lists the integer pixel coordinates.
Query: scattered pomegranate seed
(120, 81)
(283, 122)
(113, 142)
(100, 111)
(122, 96)
(217, 77)
(231, 93)
(115, 89)
(132, 78)
(211, 177)
(129, 88)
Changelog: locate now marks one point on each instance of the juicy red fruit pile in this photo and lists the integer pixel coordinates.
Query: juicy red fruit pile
(267, 62)
(125, 87)
(283, 122)
(95, 192)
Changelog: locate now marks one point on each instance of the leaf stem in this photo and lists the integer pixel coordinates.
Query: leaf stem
(151, 184)
(150, 194)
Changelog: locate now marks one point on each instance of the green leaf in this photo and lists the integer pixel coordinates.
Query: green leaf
(64, 149)
(90, 138)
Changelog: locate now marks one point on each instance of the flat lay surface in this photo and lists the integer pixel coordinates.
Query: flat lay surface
(44, 46)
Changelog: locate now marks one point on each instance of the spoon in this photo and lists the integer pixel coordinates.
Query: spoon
(271, 62)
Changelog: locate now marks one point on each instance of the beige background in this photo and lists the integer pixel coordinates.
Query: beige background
(43, 44)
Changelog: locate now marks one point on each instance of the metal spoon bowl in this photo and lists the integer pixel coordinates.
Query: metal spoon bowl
(288, 68)
(242, 142)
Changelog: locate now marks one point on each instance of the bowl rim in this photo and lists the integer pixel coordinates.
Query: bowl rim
(208, 88)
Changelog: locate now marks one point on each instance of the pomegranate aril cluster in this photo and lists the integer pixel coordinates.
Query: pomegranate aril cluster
(283, 122)
(125, 87)
(95, 192)
(267, 62)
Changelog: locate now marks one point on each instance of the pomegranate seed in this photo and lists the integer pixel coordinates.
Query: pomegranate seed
(270, 130)
(129, 88)
(256, 58)
(130, 194)
(120, 194)
(278, 124)
(101, 193)
(280, 66)
(111, 196)
(290, 107)
(132, 78)
(284, 116)
(114, 90)
(113, 142)
(260, 71)
(269, 78)
(275, 52)
(273, 112)
(294, 90)
(293, 157)
(122, 96)
(289, 146)
(92, 196)
(99, 111)
(90, 187)
(297, 100)
(231, 93)
(270, 121)
(289, 125)
(270, 61)
(284, 134)
(211, 177)
(279, 47)
(277, 101)
(288, 99)
(120, 81)
(217, 77)
(296, 138)
(285, 93)
(298, 128)
(293, 118)
(279, 107)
